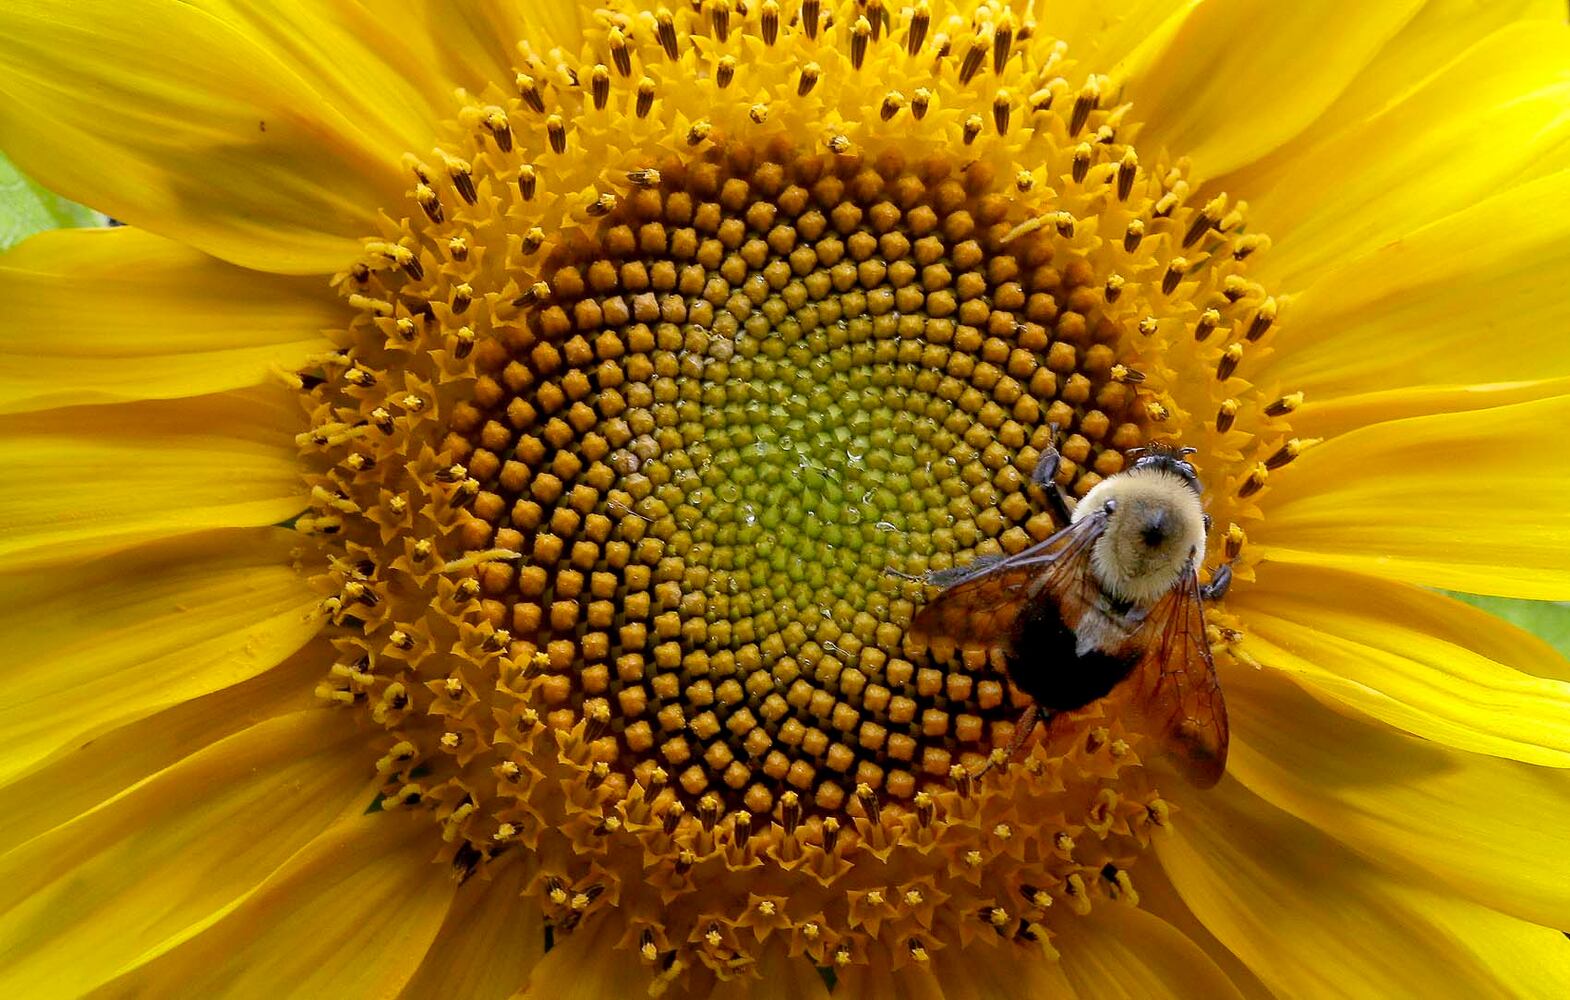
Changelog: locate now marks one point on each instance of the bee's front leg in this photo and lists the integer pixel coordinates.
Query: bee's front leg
(1220, 580)
(1045, 477)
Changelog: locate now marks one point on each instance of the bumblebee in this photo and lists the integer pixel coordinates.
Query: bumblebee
(1112, 602)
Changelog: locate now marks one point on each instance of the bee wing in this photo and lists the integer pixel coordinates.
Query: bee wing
(1175, 687)
(986, 605)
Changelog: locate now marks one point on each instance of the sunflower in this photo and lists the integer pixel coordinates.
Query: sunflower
(447, 531)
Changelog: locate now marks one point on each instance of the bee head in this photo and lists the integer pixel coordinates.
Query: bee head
(1167, 458)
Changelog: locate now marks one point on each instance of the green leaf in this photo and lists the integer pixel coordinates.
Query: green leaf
(1548, 620)
(26, 208)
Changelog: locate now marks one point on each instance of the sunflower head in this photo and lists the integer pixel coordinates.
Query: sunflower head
(685, 338)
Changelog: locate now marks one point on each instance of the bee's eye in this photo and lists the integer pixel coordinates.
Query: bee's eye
(1109, 507)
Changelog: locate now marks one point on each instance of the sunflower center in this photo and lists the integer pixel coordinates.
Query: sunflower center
(652, 391)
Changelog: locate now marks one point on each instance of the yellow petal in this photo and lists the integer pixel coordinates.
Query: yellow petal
(1417, 660)
(1496, 830)
(1340, 414)
(1118, 951)
(1311, 918)
(576, 967)
(75, 781)
(1470, 501)
(119, 638)
(778, 977)
(110, 315)
(173, 853)
(492, 937)
(197, 129)
(1433, 307)
(1160, 897)
(1439, 33)
(1492, 119)
(1100, 35)
(87, 479)
(1240, 77)
(350, 915)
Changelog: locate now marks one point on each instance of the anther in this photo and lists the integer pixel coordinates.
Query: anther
(917, 952)
(759, 113)
(1080, 167)
(719, 19)
(645, 98)
(1002, 105)
(535, 293)
(1134, 235)
(741, 826)
(840, 145)
(462, 296)
(602, 206)
(1148, 326)
(1232, 543)
(1229, 361)
(621, 56)
(1123, 373)
(462, 180)
(1113, 287)
(973, 58)
(1175, 269)
(1002, 42)
(672, 816)
(708, 806)
(725, 71)
(426, 197)
(1084, 104)
(926, 808)
(869, 802)
(831, 834)
(382, 420)
(917, 33)
(920, 100)
(811, 15)
(1226, 414)
(1262, 320)
(892, 102)
(1206, 325)
(1254, 482)
(1287, 452)
(790, 811)
(529, 90)
(528, 182)
(1127, 168)
(961, 778)
(600, 86)
(770, 17)
(458, 248)
(1286, 404)
(1205, 220)
(971, 129)
(665, 31)
(860, 35)
(532, 240)
(495, 122)
(556, 132)
(463, 342)
(699, 131)
(808, 79)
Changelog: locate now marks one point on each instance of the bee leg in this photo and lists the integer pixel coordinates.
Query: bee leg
(1022, 731)
(1220, 580)
(1045, 477)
